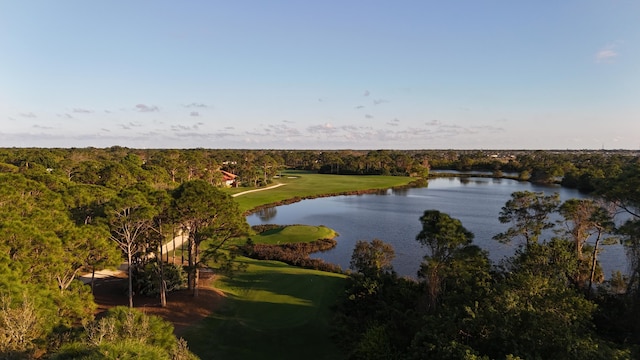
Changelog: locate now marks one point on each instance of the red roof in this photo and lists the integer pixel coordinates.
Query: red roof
(227, 176)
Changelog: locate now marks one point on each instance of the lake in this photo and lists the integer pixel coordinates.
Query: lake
(393, 216)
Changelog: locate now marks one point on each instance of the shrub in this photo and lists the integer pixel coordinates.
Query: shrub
(265, 227)
(147, 278)
(127, 334)
(296, 254)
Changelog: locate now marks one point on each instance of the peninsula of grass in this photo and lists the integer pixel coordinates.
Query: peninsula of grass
(293, 234)
(303, 185)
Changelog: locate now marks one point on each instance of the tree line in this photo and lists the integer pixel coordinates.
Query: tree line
(117, 167)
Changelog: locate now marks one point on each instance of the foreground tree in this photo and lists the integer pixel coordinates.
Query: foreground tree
(161, 201)
(372, 258)
(624, 191)
(83, 247)
(444, 238)
(130, 216)
(375, 316)
(205, 213)
(528, 212)
(536, 313)
(583, 219)
(20, 327)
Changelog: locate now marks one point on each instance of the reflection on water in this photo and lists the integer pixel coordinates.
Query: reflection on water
(393, 216)
(268, 213)
(399, 192)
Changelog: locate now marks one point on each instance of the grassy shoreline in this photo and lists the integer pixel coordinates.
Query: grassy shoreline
(300, 185)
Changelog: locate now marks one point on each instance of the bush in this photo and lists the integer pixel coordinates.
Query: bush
(147, 278)
(265, 227)
(296, 254)
(127, 334)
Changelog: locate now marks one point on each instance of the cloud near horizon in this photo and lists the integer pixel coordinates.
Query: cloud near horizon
(326, 128)
(195, 105)
(146, 108)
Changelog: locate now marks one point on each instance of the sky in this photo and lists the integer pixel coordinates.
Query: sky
(323, 74)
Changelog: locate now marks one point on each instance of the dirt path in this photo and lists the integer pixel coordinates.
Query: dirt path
(254, 190)
(175, 244)
(183, 310)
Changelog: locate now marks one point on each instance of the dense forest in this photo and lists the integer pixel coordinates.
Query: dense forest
(66, 211)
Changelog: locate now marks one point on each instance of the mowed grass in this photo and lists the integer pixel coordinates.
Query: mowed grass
(271, 311)
(294, 234)
(306, 184)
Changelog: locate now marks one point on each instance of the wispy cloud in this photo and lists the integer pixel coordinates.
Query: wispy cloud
(180, 127)
(380, 101)
(394, 122)
(366, 93)
(129, 126)
(194, 113)
(488, 128)
(368, 116)
(81, 111)
(283, 129)
(195, 105)
(274, 131)
(146, 108)
(28, 115)
(183, 127)
(608, 53)
(326, 128)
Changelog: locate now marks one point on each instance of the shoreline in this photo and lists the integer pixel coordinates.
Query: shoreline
(296, 199)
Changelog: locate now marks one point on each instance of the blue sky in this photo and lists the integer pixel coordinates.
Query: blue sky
(331, 74)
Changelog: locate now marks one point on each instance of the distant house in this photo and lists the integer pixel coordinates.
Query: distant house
(228, 178)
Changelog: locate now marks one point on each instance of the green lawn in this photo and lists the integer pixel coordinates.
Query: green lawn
(294, 234)
(305, 184)
(272, 311)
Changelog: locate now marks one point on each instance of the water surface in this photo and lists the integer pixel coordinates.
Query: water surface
(393, 217)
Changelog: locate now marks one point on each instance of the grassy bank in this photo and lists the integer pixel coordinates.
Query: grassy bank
(294, 234)
(300, 184)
